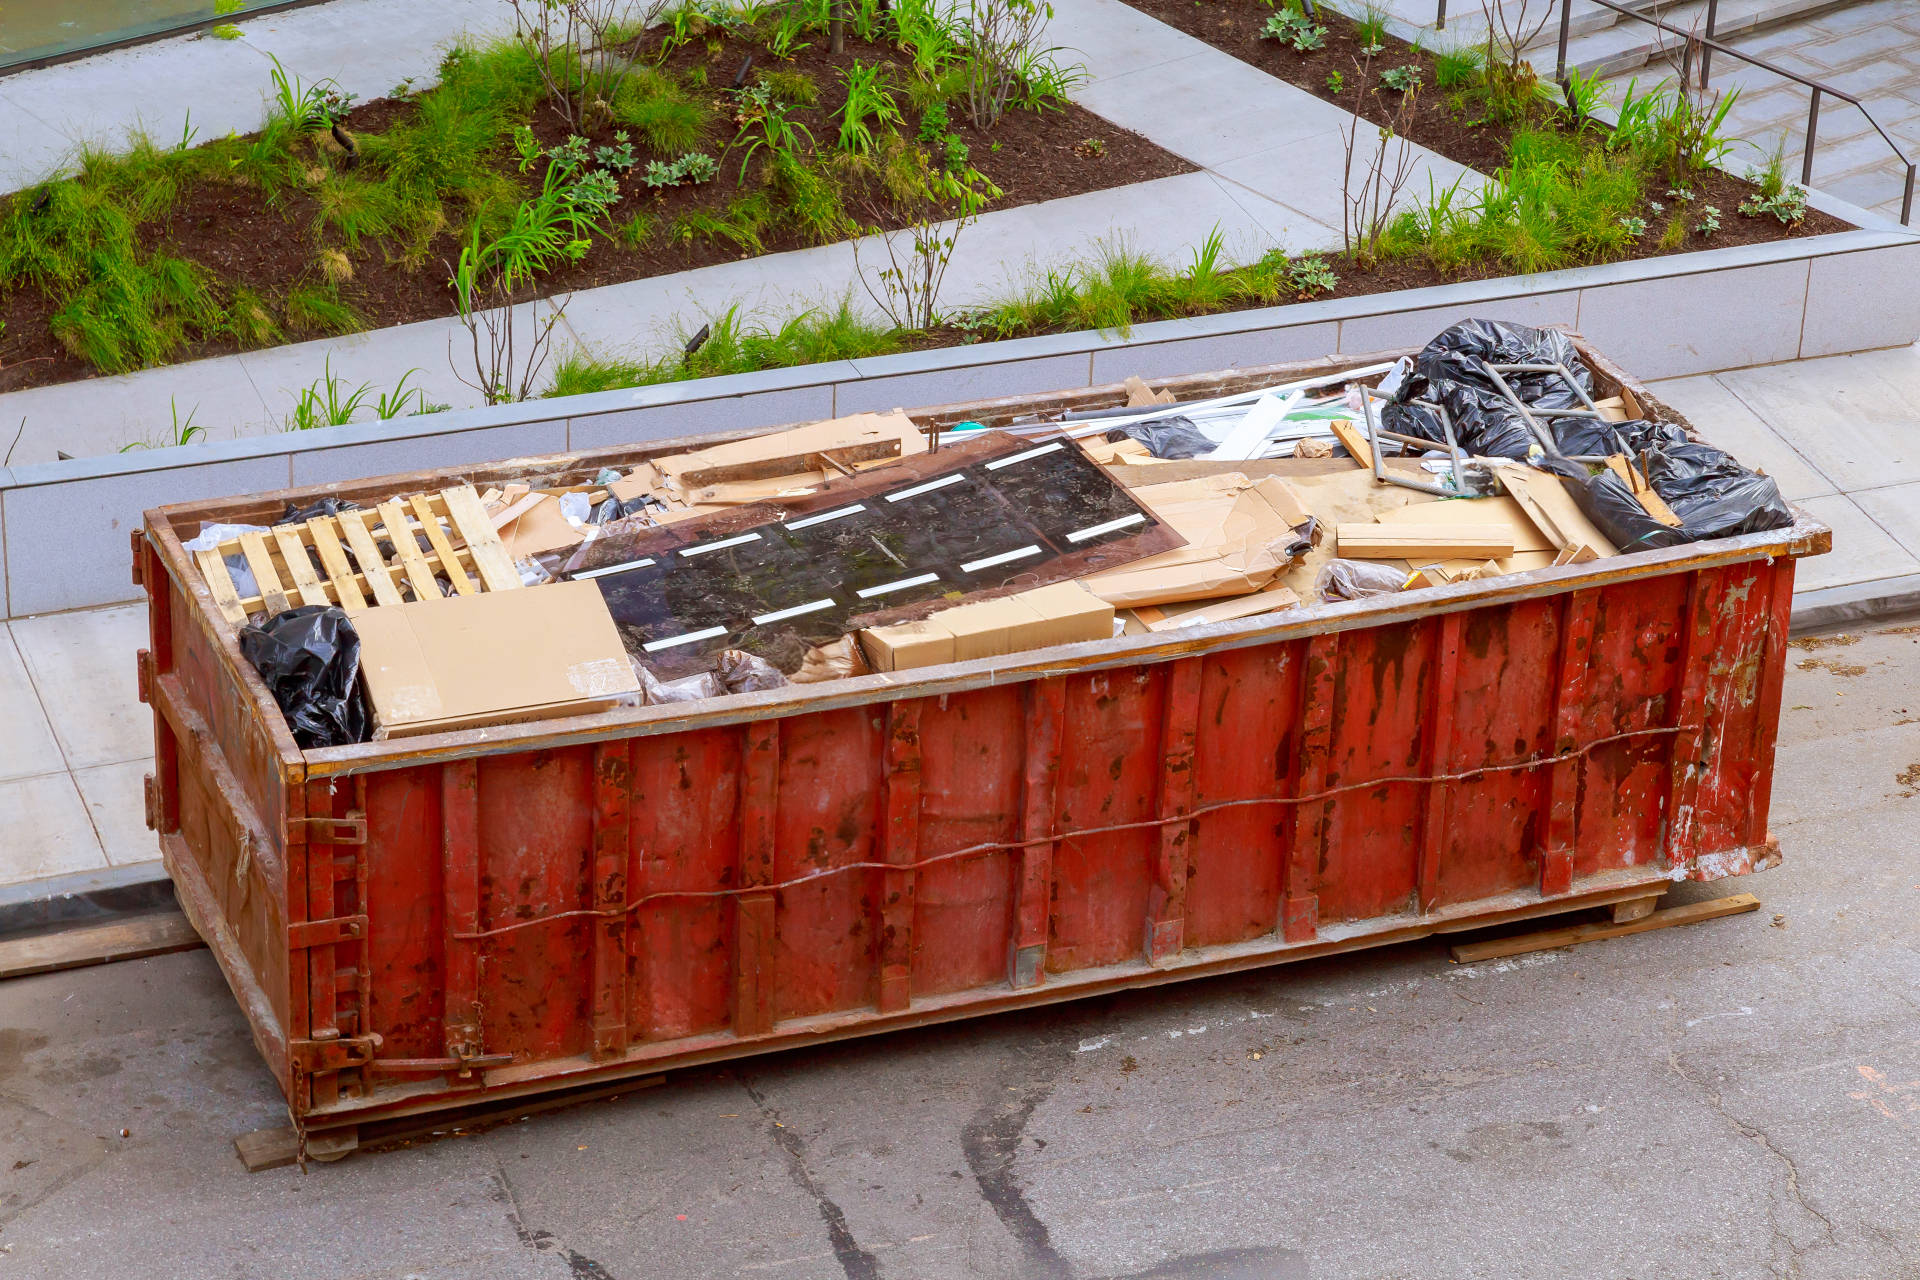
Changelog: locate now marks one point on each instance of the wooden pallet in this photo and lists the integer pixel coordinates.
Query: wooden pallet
(337, 560)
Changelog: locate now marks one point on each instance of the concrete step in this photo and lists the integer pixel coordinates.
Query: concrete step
(1625, 46)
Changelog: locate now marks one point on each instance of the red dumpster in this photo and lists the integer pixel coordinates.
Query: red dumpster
(419, 924)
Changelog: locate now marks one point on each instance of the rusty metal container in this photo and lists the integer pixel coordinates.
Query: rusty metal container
(415, 925)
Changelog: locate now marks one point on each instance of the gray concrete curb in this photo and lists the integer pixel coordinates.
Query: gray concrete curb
(86, 897)
(1856, 605)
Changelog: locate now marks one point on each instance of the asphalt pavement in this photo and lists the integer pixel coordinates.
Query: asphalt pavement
(1734, 1099)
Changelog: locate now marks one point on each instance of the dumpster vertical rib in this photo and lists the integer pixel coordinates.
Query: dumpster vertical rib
(901, 844)
(323, 995)
(1442, 690)
(1167, 899)
(755, 919)
(1046, 713)
(1773, 672)
(1569, 705)
(1312, 821)
(460, 869)
(1705, 588)
(611, 788)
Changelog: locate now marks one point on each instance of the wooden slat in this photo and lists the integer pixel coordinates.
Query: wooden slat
(148, 935)
(254, 547)
(1355, 439)
(293, 553)
(407, 548)
(213, 570)
(490, 558)
(379, 576)
(437, 539)
(333, 557)
(1573, 935)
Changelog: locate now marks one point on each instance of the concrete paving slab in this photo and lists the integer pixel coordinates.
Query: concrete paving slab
(27, 744)
(1854, 417)
(115, 796)
(98, 416)
(1897, 510)
(1862, 550)
(48, 832)
(1722, 418)
(83, 668)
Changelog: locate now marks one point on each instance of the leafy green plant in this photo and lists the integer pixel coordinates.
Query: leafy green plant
(1310, 276)
(327, 403)
(1788, 205)
(1296, 30)
(1336, 83)
(868, 98)
(797, 87)
(1709, 220)
(934, 124)
(1634, 225)
(764, 125)
(1401, 79)
(222, 31)
(617, 158)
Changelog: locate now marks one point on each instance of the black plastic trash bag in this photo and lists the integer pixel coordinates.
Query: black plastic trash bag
(1451, 371)
(310, 660)
(1712, 494)
(1167, 437)
(324, 507)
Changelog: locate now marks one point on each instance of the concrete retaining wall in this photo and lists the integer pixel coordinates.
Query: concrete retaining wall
(64, 526)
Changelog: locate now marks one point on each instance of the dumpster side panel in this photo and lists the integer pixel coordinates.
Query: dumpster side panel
(972, 754)
(1742, 704)
(684, 855)
(406, 912)
(1365, 861)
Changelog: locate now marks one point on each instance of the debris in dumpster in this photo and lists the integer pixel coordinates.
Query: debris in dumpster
(743, 673)
(541, 527)
(1062, 613)
(1452, 371)
(985, 515)
(1553, 510)
(840, 659)
(694, 688)
(1238, 536)
(1167, 437)
(469, 661)
(1200, 612)
(324, 507)
(1711, 494)
(1404, 540)
(1140, 395)
(309, 658)
(1357, 579)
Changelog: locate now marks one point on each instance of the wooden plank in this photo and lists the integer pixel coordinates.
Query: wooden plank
(1573, 935)
(790, 464)
(407, 547)
(379, 576)
(1409, 541)
(254, 547)
(490, 558)
(293, 553)
(146, 935)
(449, 563)
(507, 515)
(213, 570)
(1650, 502)
(333, 557)
(1355, 439)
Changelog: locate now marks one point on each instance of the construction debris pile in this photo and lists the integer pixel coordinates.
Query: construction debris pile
(865, 544)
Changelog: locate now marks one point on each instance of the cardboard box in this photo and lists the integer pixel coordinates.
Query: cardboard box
(1063, 613)
(1237, 533)
(493, 658)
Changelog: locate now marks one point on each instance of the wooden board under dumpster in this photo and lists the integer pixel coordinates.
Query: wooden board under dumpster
(416, 925)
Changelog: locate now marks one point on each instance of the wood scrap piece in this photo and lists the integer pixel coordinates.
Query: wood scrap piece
(333, 558)
(437, 538)
(490, 558)
(1527, 533)
(293, 553)
(273, 597)
(407, 547)
(1573, 935)
(787, 464)
(513, 511)
(1650, 502)
(1354, 439)
(379, 576)
(1407, 541)
(1140, 395)
(130, 939)
(213, 569)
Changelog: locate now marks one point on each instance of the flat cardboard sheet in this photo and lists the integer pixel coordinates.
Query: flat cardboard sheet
(494, 658)
(1503, 511)
(540, 528)
(1237, 531)
(1060, 613)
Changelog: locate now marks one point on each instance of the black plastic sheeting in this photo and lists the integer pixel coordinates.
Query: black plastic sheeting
(1167, 437)
(1714, 496)
(324, 507)
(310, 660)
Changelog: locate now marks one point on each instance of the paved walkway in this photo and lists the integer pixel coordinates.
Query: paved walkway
(1270, 157)
(1840, 435)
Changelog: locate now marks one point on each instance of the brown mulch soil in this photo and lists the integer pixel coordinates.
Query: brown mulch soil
(1435, 118)
(230, 229)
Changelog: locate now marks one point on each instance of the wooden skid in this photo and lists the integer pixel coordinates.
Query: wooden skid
(315, 563)
(1572, 935)
(147, 935)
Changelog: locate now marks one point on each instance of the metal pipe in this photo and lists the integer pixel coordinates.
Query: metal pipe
(1380, 473)
(1813, 123)
(1566, 27)
(1706, 49)
(1540, 433)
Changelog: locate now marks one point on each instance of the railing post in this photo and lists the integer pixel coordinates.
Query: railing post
(1813, 125)
(1566, 26)
(1440, 16)
(1906, 202)
(1706, 50)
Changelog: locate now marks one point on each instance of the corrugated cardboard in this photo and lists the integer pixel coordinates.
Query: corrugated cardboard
(1546, 500)
(494, 658)
(540, 528)
(1063, 613)
(1237, 534)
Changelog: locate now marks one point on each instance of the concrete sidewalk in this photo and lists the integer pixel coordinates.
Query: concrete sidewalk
(1841, 436)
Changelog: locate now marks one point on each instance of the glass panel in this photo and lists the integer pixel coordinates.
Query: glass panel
(34, 29)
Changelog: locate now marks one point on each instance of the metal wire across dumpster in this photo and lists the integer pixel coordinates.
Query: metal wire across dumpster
(417, 924)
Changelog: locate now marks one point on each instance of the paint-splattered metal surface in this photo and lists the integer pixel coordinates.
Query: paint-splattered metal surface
(417, 925)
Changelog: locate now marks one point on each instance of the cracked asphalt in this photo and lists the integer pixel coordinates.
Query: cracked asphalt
(1739, 1098)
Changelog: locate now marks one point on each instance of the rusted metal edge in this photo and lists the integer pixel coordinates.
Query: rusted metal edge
(202, 910)
(538, 1077)
(1806, 537)
(198, 746)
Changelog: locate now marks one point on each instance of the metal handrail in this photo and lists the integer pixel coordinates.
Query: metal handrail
(1707, 46)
